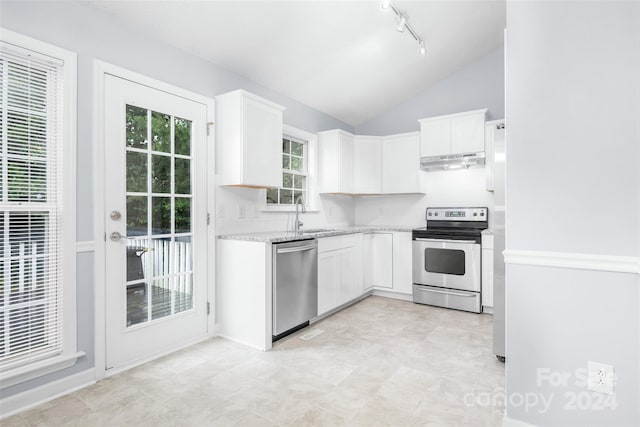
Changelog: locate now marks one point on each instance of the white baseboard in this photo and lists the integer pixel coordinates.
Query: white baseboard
(510, 422)
(394, 295)
(37, 396)
(610, 263)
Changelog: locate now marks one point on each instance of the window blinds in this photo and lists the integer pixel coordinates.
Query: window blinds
(30, 207)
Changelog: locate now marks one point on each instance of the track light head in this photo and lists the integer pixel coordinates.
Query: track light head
(423, 49)
(385, 4)
(401, 24)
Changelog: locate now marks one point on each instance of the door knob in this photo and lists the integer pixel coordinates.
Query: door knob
(115, 215)
(115, 236)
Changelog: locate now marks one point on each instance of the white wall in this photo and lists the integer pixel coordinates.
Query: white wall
(331, 211)
(442, 189)
(573, 186)
(478, 85)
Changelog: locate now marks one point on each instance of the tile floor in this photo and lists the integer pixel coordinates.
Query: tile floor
(381, 362)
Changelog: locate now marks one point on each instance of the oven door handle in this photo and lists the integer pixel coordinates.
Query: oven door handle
(459, 294)
(419, 239)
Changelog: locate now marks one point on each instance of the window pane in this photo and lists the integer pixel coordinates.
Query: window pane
(26, 134)
(161, 298)
(297, 194)
(161, 215)
(183, 255)
(287, 180)
(161, 132)
(272, 195)
(26, 181)
(183, 215)
(161, 174)
(299, 181)
(136, 127)
(183, 176)
(286, 197)
(136, 304)
(296, 163)
(136, 215)
(136, 172)
(183, 136)
(286, 161)
(286, 146)
(296, 148)
(184, 292)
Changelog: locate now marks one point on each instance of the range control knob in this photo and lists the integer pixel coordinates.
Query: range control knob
(436, 214)
(475, 214)
(430, 214)
(481, 213)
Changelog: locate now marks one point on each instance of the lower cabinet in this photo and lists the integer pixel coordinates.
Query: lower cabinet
(336, 278)
(378, 260)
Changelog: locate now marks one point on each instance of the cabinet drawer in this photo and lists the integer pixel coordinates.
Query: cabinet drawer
(326, 244)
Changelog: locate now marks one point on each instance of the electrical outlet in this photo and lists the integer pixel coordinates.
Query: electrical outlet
(241, 213)
(601, 377)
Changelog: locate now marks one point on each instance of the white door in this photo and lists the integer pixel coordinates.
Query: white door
(156, 208)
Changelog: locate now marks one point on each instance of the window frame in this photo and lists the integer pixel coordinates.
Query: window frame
(311, 153)
(67, 157)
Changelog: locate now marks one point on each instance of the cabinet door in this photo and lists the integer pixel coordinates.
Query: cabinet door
(367, 261)
(328, 161)
(402, 263)
(487, 278)
(467, 133)
(262, 138)
(345, 164)
(378, 260)
(328, 282)
(368, 165)
(401, 164)
(345, 262)
(435, 137)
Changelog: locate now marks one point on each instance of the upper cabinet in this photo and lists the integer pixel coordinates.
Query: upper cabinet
(335, 152)
(248, 140)
(367, 167)
(401, 163)
(452, 134)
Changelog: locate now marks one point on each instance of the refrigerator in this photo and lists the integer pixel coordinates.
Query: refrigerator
(496, 162)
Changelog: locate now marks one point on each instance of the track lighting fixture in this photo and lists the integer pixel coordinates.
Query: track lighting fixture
(403, 24)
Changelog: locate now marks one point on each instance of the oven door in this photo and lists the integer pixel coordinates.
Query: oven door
(447, 263)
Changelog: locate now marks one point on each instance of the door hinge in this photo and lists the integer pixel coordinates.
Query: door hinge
(208, 218)
(209, 124)
(208, 308)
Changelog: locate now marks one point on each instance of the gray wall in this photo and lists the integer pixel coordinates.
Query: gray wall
(95, 35)
(478, 85)
(573, 185)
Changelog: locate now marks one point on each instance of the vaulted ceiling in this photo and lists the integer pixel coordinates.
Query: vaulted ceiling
(343, 58)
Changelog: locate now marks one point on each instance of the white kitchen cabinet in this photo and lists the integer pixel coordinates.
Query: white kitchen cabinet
(336, 158)
(402, 263)
(401, 164)
(453, 134)
(336, 272)
(378, 260)
(248, 140)
(367, 168)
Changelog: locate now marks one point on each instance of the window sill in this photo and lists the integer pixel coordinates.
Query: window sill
(38, 369)
(286, 209)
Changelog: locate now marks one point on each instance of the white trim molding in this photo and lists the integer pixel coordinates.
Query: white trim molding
(36, 396)
(610, 263)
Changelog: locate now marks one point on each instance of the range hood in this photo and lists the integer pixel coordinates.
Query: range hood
(452, 161)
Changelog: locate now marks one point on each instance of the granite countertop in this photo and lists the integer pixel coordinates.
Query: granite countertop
(288, 236)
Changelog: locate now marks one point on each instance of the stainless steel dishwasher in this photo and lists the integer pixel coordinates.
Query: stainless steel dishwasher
(295, 286)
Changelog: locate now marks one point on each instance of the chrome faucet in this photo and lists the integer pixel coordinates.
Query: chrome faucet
(298, 223)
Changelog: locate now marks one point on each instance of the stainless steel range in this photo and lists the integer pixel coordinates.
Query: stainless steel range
(447, 258)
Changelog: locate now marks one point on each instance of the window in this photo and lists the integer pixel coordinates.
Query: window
(37, 284)
(294, 173)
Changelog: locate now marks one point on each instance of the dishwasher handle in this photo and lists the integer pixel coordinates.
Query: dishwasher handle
(297, 249)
